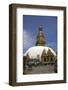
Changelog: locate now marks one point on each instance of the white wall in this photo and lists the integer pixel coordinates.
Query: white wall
(4, 44)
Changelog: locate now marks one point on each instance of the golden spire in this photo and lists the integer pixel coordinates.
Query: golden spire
(40, 37)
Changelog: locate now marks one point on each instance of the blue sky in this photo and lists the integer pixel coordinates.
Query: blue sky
(30, 29)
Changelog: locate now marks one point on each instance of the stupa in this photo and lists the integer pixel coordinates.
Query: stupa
(40, 51)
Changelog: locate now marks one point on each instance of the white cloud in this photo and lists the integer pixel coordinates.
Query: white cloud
(28, 39)
(51, 44)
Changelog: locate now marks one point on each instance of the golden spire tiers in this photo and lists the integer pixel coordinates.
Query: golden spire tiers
(40, 37)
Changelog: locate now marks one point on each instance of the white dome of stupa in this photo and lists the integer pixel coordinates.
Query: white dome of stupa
(33, 52)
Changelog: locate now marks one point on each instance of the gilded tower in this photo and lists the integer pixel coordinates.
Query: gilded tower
(40, 37)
